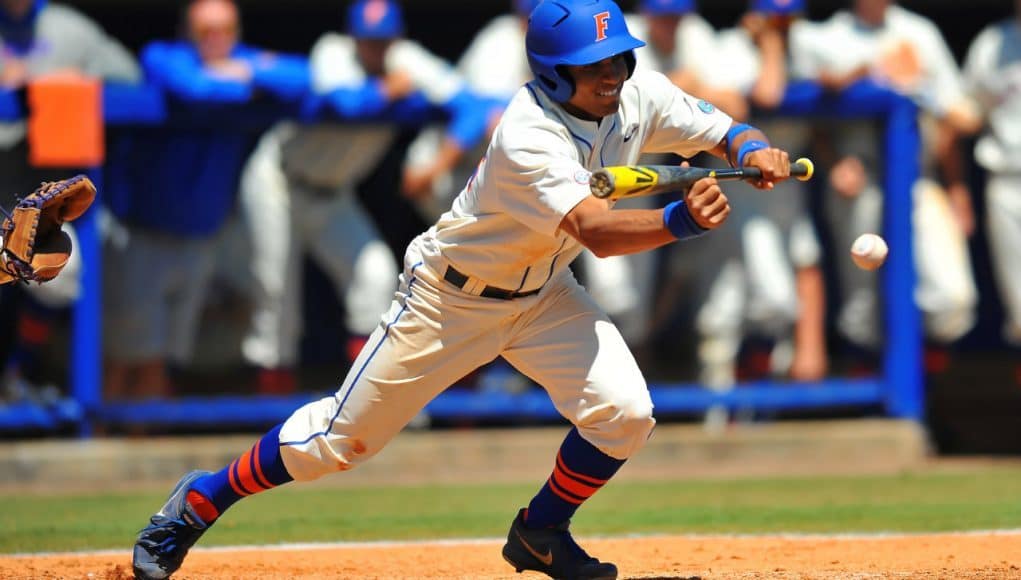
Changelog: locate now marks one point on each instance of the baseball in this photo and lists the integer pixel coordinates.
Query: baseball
(869, 251)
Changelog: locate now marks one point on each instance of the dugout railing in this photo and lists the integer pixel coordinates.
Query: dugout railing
(897, 389)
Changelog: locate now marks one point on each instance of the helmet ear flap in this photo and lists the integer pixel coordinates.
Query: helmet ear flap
(629, 58)
(568, 80)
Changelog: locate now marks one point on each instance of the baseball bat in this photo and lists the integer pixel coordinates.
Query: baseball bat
(622, 181)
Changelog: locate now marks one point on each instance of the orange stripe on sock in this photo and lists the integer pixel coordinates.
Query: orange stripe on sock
(573, 486)
(259, 476)
(580, 477)
(233, 482)
(203, 507)
(245, 475)
(556, 489)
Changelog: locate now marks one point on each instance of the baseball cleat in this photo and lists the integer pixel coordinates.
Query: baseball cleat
(553, 552)
(162, 545)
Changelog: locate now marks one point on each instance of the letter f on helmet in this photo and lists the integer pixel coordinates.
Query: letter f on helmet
(560, 34)
(602, 23)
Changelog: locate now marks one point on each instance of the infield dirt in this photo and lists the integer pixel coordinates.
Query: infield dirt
(945, 556)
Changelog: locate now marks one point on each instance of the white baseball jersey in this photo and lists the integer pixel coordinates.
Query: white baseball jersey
(495, 64)
(993, 76)
(342, 154)
(742, 63)
(992, 72)
(504, 226)
(693, 48)
(925, 66)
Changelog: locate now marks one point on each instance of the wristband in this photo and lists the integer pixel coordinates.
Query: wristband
(733, 132)
(747, 147)
(678, 220)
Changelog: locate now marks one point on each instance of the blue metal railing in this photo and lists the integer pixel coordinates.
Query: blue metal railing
(899, 390)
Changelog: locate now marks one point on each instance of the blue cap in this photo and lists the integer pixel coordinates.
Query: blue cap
(525, 7)
(667, 6)
(778, 6)
(375, 19)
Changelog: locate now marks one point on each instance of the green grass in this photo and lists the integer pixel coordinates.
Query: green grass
(981, 499)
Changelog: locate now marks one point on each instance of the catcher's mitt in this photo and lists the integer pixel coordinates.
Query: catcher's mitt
(34, 247)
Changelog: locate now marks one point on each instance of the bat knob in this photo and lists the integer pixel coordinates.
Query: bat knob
(601, 183)
(809, 169)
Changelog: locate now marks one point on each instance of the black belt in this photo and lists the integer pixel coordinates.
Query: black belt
(458, 279)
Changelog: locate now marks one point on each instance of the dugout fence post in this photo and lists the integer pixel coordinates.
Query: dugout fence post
(902, 361)
(86, 330)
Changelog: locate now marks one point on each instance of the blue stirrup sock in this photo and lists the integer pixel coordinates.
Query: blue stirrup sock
(580, 471)
(257, 470)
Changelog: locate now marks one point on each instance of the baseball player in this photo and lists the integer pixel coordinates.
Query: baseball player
(905, 52)
(490, 278)
(299, 184)
(993, 74)
(161, 257)
(40, 38)
(775, 287)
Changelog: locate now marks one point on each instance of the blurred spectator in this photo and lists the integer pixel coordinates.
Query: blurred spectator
(906, 53)
(494, 69)
(171, 190)
(494, 66)
(681, 44)
(772, 290)
(298, 187)
(42, 38)
(993, 75)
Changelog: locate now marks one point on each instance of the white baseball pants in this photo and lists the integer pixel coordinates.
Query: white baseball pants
(433, 334)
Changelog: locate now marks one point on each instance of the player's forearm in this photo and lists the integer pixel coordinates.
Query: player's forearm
(809, 332)
(625, 231)
(740, 141)
(449, 155)
(769, 88)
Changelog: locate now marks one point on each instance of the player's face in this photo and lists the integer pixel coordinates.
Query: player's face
(597, 88)
(871, 11)
(663, 32)
(372, 54)
(213, 26)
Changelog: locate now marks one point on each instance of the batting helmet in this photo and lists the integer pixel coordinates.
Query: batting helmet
(571, 33)
(667, 6)
(375, 19)
(778, 6)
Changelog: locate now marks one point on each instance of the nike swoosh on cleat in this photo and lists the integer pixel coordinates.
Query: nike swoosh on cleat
(546, 559)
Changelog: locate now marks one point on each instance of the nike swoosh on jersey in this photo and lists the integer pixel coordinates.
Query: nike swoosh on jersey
(546, 559)
(630, 132)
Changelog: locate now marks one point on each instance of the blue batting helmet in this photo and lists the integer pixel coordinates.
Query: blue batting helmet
(571, 33)
(667, 6)
(375, 19)
(778, 6)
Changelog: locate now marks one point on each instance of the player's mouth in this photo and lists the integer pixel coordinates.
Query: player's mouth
(612, 93)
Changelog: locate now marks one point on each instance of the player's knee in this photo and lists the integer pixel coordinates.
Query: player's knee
(951, 324)
(625, 427)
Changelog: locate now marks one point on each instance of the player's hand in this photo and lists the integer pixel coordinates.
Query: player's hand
(231, 69)
(707, 204)
(13, 73)
(397, 85)
(848, 177)
(417, 184)
(809, 364)
(959, 197)
(774, 163)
